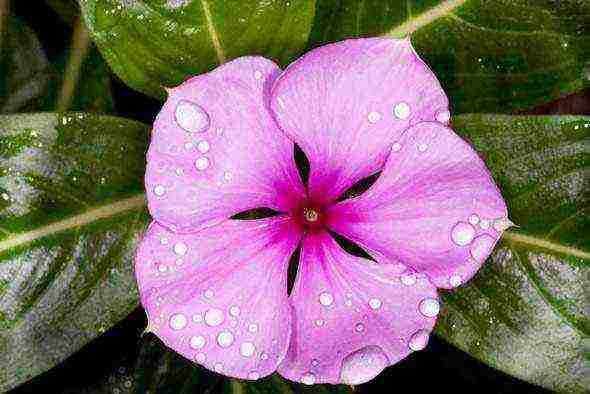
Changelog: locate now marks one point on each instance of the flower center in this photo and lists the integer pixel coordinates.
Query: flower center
(310, 215)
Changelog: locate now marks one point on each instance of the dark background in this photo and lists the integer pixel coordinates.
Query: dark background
(439, 367)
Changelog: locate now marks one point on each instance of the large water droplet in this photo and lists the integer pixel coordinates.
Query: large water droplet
(178, 321)
(481, 247)
(191, 117)
(462, 233)
(213, 317)
(225, 338)
(363, 365)
(419, 340)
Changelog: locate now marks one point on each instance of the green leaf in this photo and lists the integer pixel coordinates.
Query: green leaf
(24, 69)
(71, 211)
(526, 312)
(155, 43)
(490, 55)
(67, 10)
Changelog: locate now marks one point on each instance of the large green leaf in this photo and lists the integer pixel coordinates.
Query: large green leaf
(71, 211)
(526, 312)
(155, 43)
(491, 55)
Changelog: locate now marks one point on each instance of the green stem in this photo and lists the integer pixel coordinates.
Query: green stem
(78, 51)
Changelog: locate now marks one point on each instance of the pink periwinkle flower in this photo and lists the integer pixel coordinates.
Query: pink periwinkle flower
(215, 289)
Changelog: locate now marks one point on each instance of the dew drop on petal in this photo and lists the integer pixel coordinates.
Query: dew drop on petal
(408, 279)
(203, 146)
(218, 367)
(191, 117)
(201, 163)
(159, 190)
(429, 307)
(180, 248)
(225, 338)
(455, 280)
(197, 318)
(319, 322)
(227, 176)
(462, 233)
(200, 358)
(485, 224)
(359, 327)
(247, 349)
(253, 327)
(214, 317)
(258, 74)
(473, 219)
(326, 299)
(363, 365)
(308, 378)
(178, 321)
(374, 116)
(443, 116)
(253, 375)
(419, 340)
(375, 303)
(422, 147)
(481, 247)
(197, 342)
(396, 147)
(401, 110)
(234, 310)
(264, 356)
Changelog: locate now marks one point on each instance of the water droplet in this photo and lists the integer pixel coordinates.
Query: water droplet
(422, 147)
(253, 375)
(455, 280)
(180, 248)
(363, 365)
(502, 224)
(319, 322)
(401, 110)
(197, 342)
(178, 321)
(203, 146)
(443, 116)
(201, 163)
(264, 356)
(258, 74)
(159, 190)
(375, 303)
(308, 378)
(218, 367)
(247, 349)
(348, 303)
(396, 147)
(234, 310)
(253, 327)
(188, 146)
(227, 176)
(209, 293)
(200, 358)
(191, 117)
(374, 116)
(326, 299)
(462, 233)
(359, 327)
(408, 279)
(197, 318)
(214, 317)
(419, 340)
(429, 307)
(484, 224)
(481, 247)
(473, 219)
(225, 338)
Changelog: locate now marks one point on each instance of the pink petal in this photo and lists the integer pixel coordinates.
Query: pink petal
(435, 207)
(353, 317)
(219, 296)
(216, 150)
(344, 104)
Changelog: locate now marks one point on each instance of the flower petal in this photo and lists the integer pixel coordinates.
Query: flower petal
(216, 150)
(344, 104)
(352, 316)
(219, 296)
(435, 207)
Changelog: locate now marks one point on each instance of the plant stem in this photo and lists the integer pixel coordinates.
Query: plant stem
(78, 50)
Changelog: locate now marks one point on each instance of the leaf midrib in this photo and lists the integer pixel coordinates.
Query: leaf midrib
(73, 222)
